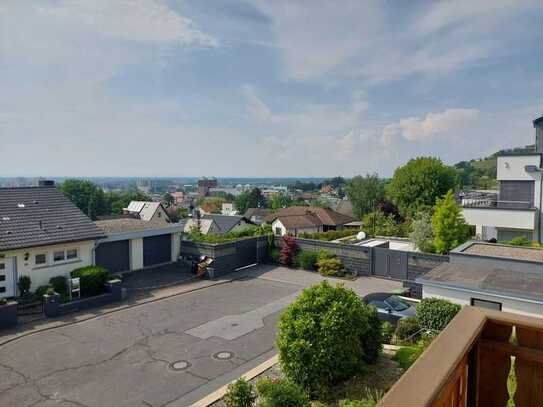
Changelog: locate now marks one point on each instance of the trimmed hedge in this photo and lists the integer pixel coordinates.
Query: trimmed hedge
(434, 313)
(93, 279)
(327, 335)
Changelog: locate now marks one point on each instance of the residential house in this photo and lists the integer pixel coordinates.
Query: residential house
(206, 226)
(178, 197)
(516, 210)
(42, 235)
(306, 219)
(226, 224)
(494, 276)
(147, 211)
(131, 244)
(345, 207)
(256, 215)
(228, 209)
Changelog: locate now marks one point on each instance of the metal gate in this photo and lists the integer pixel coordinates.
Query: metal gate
(246, 252)
(389, 263)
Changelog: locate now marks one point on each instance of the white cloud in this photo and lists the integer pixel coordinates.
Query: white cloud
(377, 41)
(432, 125)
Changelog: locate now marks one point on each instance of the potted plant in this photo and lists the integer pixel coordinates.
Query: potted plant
(8, 313)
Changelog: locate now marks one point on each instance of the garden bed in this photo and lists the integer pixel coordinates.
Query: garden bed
(377, 379)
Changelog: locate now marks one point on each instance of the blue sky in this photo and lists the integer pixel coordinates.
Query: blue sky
(263, 88)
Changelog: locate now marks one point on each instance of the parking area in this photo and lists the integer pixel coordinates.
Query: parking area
(169, 352)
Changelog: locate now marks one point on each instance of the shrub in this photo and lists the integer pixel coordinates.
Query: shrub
(288, 251)
(307, 259)
(240, 394)
(274, 255)
(331, 267)
(406, 356)
(373, 396)
(520, 241)
(24, 284)
(325, 254)
(60, 284)
(329, 235)
(93, 279)
(327, 335)
(434, 313)
(388, 331)
(3, 301)
(42, 290)
(281, 393)
(408, 329)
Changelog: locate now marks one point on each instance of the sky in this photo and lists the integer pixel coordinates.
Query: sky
(263, 88)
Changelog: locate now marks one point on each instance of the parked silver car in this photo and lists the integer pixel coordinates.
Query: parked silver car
(390, 307)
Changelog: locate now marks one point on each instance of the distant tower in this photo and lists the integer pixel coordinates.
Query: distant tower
(538, 124)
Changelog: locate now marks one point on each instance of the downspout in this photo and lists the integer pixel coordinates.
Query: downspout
(533, 169)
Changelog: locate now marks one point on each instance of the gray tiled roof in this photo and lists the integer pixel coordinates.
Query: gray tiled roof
(22, 210)
(224, 222)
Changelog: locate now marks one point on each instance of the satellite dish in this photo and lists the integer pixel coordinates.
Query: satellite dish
(361, 235)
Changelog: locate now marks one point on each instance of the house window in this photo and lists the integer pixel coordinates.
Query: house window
(40, 259)
(59, 256)
(71, 254)
(278, 231)
(2, 266)
(476, 302)
(2, 277)
(2, 289)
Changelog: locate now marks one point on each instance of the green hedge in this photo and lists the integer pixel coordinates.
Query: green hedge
(408, 329)
(240, 394)
(434, 314)
(281, 393)
(327, 335)
(330, 235)
(93, 279)
(306, 259)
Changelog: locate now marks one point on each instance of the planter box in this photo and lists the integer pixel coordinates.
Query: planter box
(8, 314)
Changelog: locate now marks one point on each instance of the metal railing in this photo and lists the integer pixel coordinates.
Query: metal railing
(490, 200)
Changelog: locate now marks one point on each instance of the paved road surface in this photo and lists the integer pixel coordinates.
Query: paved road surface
(166, 353)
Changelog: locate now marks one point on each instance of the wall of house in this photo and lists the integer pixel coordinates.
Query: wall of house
(501, 218)
(294, 232)
(41, 274)
(464, 298)
(512, 168)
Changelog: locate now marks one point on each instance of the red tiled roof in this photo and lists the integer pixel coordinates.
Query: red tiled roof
(308, 216)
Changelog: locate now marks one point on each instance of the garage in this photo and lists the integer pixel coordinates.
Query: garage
(157, 250)
(114, 256)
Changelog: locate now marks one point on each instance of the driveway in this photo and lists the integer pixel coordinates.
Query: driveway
(170, 352)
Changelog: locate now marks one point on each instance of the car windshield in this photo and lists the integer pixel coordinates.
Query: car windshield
(396, 303)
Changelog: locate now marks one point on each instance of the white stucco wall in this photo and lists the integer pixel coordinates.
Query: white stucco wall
(501, 218)
(277, 224)
(41, 274)
(511, 168)
(464, 298)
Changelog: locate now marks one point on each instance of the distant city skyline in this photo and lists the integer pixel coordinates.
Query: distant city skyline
(173, 88)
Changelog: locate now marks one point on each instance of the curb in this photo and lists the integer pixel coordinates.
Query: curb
(251, 374)
(121, 308)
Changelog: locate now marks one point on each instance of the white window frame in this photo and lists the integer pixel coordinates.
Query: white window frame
(63, 251)
(76, 249)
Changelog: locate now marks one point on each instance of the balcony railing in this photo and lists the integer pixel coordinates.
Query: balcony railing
(490, 200)
(469, 363)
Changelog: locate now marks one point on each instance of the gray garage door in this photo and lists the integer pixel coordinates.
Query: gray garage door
(389, 263)
(114, 256)
(157, 249)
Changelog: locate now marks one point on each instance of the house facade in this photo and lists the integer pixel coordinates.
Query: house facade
(42, 235)
(147, 211)
(516, 208)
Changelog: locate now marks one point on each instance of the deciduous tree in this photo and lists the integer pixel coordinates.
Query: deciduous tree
(450, 228)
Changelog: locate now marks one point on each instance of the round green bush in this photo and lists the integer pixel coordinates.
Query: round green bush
(327, 335)
(240, 394)
(281, 393)
(408, 329)
(41, 291)
(60, 284)
(307, 259)
(24, 284)
(434, 313)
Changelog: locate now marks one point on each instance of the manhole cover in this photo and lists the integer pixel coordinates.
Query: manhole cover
(180, 365)
(224, 355)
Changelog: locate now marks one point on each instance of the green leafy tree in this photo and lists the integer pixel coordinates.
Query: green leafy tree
(86, 196)
(450, 228)
(365, 193)
(280, 201)
(168, 199)
(249, 199)
(379, 224)
(117, 201)
(422, 234)
(420, 182)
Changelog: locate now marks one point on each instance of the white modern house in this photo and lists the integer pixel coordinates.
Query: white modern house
(515, 210)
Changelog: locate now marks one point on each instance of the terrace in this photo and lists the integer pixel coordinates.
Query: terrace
(470, 362)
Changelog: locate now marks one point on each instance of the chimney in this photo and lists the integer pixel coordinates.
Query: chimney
(46, 183)
(538, 124)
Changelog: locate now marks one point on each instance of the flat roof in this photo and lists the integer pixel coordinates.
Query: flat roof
(496, 281)
(129, 225)
(502, 251)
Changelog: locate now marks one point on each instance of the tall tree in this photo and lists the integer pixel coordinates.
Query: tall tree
(249, 199)
(450, 228)
(86, 196)
(279, 201)
(420, 182)
(365, 193)
(168, 199)
(116, 201)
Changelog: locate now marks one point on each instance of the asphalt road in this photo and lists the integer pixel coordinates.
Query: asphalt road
(167, 353)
